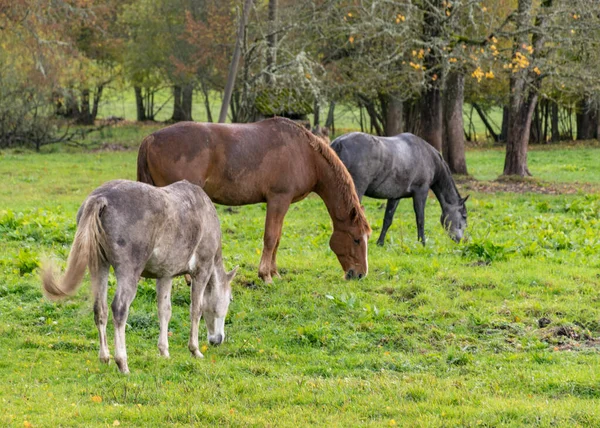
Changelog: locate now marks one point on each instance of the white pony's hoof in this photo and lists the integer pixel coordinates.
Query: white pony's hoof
(197, 354)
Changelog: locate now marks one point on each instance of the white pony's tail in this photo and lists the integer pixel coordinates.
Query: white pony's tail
(85, 251)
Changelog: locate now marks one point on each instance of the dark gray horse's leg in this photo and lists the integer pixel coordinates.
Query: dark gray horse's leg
(390, 209)
(419, 200)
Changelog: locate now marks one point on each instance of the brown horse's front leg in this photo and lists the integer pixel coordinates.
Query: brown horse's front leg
(276, 210)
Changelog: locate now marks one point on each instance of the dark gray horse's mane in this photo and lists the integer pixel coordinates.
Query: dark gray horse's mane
(444, 177)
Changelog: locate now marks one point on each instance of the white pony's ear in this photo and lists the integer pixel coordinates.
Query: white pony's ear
(231, 275)
(465, 199)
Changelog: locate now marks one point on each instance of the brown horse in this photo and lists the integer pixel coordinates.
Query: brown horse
(274, 161)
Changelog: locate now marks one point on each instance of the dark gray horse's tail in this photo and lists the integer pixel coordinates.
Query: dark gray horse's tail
(85, 251)
(143, 173)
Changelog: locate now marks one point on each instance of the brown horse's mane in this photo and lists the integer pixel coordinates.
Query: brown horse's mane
(342, 176)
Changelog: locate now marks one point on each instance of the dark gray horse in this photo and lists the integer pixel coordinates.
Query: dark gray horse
(141, 230)
(399, 167)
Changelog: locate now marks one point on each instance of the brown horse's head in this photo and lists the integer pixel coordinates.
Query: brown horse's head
(349, 243)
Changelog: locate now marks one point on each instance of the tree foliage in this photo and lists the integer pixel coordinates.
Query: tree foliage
(393, 60)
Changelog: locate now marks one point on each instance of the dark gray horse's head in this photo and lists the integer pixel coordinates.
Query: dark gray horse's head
(454, 219)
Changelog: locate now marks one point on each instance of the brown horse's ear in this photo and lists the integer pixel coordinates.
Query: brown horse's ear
(362, 207)
(231, 275)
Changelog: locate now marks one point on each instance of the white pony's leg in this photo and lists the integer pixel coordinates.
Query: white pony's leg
(126, 289)
(199, 282)
(163, 296)
(100, 285)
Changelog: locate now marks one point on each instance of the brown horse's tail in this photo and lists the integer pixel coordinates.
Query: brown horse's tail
(143, 173)
(85, 251)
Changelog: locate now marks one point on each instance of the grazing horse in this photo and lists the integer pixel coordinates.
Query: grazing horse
(399, 167)
(141, 230)
(274, 161)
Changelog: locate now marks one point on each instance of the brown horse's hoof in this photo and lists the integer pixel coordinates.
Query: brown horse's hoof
(267, 279)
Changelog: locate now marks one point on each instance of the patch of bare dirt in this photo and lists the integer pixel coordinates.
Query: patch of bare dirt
(568, 338)
(524, 185)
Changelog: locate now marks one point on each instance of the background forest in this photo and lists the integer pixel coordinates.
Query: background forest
(525, 69)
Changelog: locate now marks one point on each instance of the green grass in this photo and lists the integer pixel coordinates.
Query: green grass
(445, 335)
(565, 163)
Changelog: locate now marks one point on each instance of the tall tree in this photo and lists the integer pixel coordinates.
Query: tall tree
(454, 130)
(234, 61)
(524, 87)
(431, 100)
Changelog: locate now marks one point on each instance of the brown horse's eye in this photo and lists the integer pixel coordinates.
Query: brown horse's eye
(357, 241)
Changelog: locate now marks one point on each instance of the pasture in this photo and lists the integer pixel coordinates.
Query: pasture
(443, 335)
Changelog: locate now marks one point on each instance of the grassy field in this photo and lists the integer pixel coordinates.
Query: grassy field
(446, 335)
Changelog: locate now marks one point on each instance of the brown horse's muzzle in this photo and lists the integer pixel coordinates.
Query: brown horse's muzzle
(351, 274)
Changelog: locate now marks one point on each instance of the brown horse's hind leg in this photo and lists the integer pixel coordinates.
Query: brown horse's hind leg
(274, 260)
(276, 210)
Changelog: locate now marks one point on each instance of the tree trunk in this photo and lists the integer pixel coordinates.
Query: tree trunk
(178, 114)
(376, 119)
(524, 87)
(186, 101)
(504, 128)
(96, 101)
(454, 130)
(521, 112)
(431, 103)
(139, 104)
(271, 41)
(412, 116)
(316, 113)
(555, 131)
(545, 112)
(431, 117)
(206, 94)
(330, 122)
(486, 122)
(85, 117)
(586, 122)
(534, 131)
(234, 62)
(393, 117)
(72, 106)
